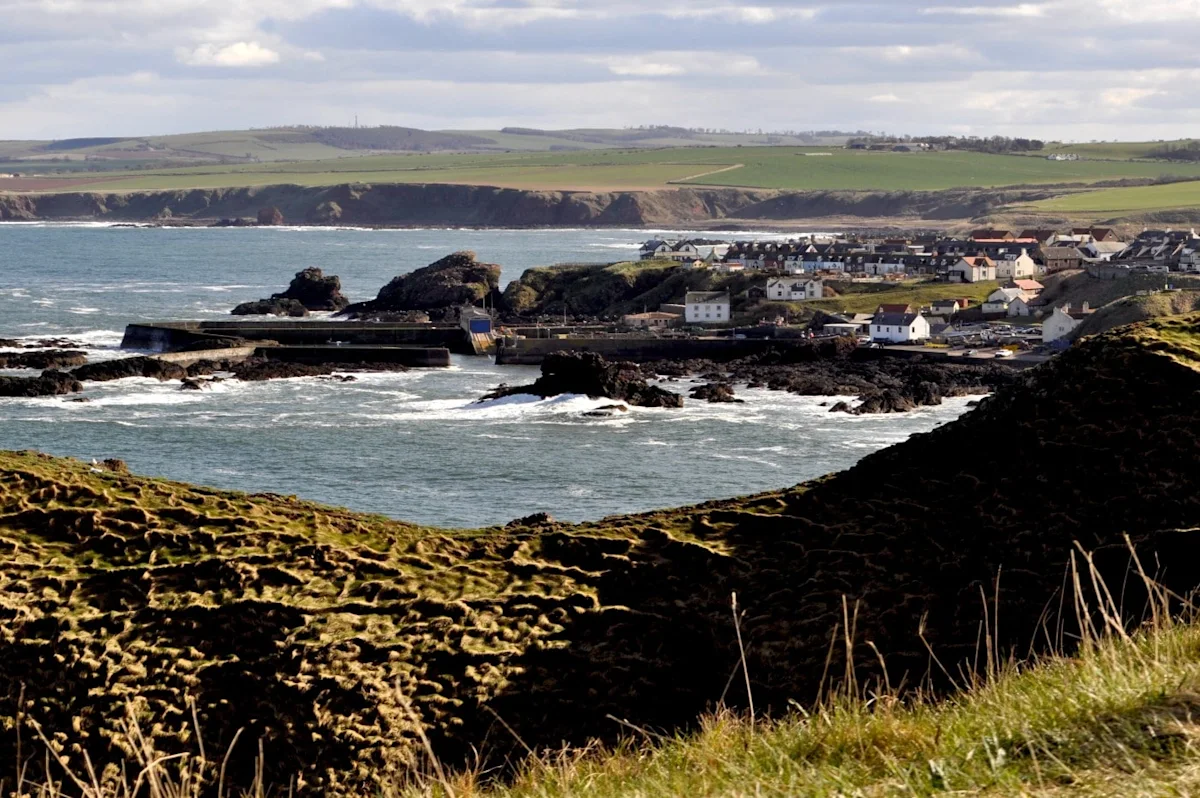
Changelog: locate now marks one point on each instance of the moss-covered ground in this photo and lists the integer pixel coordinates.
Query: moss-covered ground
(351, 646)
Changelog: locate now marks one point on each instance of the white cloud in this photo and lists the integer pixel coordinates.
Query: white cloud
(1125, 97)
(1022, 10)
(884, 98)
(238, 54)
(637, 67)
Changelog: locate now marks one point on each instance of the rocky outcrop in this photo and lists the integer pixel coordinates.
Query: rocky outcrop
(50, 383)
(882, 383)
(316, 291)
(123, 368)
(262, 369)
(309, 290)
(41, 360)
(716, 393)
(271, 307)
(454, 281)
(589, 374)
(268, 217)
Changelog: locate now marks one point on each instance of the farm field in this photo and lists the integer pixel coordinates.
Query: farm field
(1171, 196)
(784, 168)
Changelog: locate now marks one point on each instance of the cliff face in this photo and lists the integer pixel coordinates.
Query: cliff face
(330, 635)
(418, 205)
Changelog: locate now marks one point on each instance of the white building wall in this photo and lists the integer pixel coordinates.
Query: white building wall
(708, 313)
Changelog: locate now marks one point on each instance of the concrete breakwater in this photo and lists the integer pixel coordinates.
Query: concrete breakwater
(345, 342)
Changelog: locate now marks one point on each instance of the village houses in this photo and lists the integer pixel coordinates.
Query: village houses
(1019, 266)
(795, 290)
(1059, 324)
(975, 269)
(707, 307)
(899, 328)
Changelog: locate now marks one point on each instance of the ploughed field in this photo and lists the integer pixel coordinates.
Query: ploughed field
(345, 642)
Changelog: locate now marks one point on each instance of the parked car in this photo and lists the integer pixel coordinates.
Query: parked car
(1004, 353)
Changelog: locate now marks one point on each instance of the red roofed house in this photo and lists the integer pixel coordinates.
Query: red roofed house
(976, 269)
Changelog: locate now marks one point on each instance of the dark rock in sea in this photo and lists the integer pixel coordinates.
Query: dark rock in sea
(123, 368)
(233, 223)
(43, 359)
(606, 411)
(454, 281)
(42, 343)
(50, 383)
(309, 290)
(259, 369)
(840, 407)
(271, 307)
(883, 383)
(590, 374)
(271, 216)
(886, 401)
(312, 289)
(716, 393)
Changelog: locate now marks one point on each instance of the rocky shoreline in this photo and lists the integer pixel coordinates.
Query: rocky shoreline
(421, 205)
(881, 384)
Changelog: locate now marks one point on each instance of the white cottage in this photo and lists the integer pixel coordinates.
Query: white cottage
(899, 328)
(1062, 322)
(795, 290)
(707, 307)
(1016, 267)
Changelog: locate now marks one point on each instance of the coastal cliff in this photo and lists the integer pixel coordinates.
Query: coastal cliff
(414, 205)
(347, 643)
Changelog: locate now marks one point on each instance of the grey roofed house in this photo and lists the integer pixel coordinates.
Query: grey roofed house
(895, 319)
(706, 297)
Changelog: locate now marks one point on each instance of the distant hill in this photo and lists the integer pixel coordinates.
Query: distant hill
(310, 143)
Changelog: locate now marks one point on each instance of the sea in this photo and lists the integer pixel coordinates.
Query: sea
(418, 445)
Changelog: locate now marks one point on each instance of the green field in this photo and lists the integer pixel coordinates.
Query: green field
(787, 168)
(867, 297)
(1171, 196)
(315, 143)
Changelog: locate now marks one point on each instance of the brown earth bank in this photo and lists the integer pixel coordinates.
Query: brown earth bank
(343, 642)
(483, 206)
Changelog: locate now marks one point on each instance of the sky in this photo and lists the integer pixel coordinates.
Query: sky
(1061, 69)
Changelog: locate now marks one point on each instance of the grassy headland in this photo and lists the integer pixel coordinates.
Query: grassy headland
(352, 645)
(631, 287)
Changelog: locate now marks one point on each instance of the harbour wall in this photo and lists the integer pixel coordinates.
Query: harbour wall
(175, 336)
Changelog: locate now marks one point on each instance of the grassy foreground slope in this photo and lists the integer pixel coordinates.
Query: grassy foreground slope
(345, 643)
(1117, 719)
